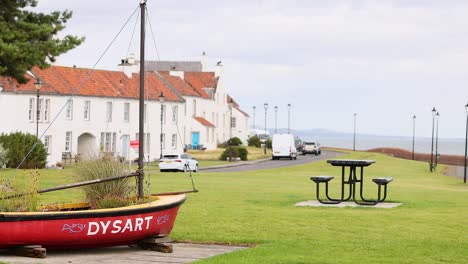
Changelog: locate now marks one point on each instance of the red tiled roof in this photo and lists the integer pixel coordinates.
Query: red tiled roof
(101, 83)
(182, 87)
(203, 121)
(200, 80)
(235, 105)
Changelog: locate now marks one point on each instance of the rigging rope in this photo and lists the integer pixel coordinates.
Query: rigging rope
(152, 35)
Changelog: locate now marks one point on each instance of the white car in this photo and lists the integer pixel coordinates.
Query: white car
(178, 162)
(311, 147)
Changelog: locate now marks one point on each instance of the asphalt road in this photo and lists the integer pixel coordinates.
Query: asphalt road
(270, 164)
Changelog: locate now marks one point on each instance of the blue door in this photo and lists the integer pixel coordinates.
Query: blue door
(125, 146)
(195, 140)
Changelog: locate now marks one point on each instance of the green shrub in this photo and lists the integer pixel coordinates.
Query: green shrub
(254, 141)
(236, 152)
(269, 142)
(243, 153)
(18, 145)
(235, 141)
(115, 193)
(225, 155)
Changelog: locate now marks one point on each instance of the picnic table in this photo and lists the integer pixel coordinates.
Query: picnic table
(352, 180)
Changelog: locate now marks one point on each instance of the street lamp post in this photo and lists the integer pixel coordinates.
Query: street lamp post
(265, 105)
(161, 100)
(437, 140)
(38, 85)
(253, 111)
(354, 133)
(432, 141)
(230, 129)
(414, 130)
(466, 139)
(276, 119)
(289, 118)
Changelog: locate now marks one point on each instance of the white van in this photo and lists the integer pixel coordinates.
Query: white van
(283, 146)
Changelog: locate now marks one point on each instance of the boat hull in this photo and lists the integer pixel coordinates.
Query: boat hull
(90, 228)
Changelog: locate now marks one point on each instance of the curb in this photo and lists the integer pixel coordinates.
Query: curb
(233, 164)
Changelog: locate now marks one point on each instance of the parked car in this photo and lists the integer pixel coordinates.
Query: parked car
(178, 162)
(311, 147)
(283, 146)
(299, 144)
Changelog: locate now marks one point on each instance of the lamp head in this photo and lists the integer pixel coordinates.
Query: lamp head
(254, 107)
(265, 105)
(38, 84)
(466, 108)
(414, 117)
(161, 97)
(434, 111)
(276, 108)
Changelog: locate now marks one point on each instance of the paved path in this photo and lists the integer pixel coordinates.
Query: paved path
(183, 253)
(270, 164)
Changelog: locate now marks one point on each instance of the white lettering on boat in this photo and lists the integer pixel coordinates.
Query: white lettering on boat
(114, 227)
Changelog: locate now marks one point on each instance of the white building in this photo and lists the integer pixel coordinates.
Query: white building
(102, 114)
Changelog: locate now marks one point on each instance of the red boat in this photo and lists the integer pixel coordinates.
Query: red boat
(90, 228)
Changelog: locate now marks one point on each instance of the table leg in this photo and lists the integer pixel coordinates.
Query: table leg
(332, 201)
(343, 182)
(361, 188)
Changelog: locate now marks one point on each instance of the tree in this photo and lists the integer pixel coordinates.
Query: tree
(28, 39)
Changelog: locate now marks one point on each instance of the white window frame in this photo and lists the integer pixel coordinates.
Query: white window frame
(87, 110)
(174, 141)
(163, 141)
(69, 110)
(109, 105)
(41, 103)
(127, 112)
(47, 110)
(48, 143)
(68, 141)
(233, 122)
(31, 110)
(163, 108)
(175, 110)
(108, 142)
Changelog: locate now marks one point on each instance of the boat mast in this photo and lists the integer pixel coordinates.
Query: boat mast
(141, 135)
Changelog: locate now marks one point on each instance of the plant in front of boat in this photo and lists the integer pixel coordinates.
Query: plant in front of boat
(19, 193)
(110, 194)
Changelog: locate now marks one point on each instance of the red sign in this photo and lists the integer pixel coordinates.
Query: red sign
(134, 144)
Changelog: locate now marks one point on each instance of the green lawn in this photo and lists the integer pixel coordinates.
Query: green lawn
(257, 208)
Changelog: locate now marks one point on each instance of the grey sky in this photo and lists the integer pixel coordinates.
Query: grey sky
(384, 60)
